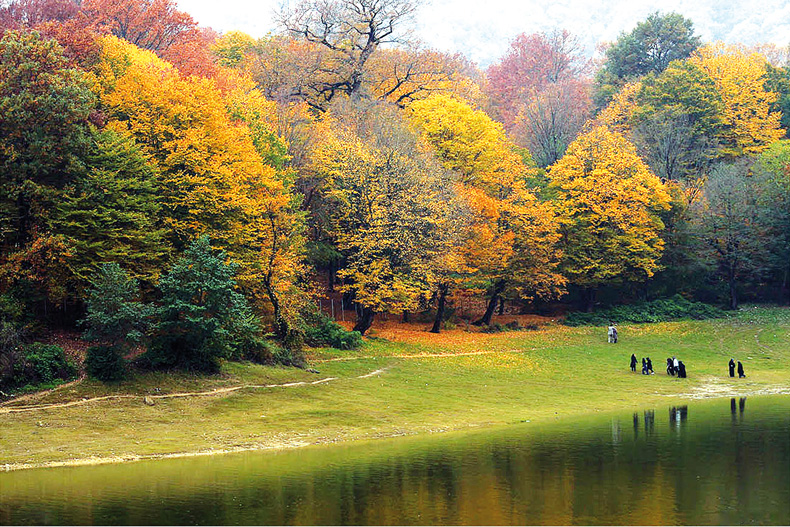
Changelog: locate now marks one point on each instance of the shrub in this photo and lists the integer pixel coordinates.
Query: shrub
(260, 351)
(105, 363)
(322, 331)
(41, 364)
(661, 310)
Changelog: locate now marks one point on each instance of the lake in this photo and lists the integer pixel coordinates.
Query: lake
(714, 462)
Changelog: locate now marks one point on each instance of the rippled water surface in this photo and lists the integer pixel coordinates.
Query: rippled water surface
(713, 462)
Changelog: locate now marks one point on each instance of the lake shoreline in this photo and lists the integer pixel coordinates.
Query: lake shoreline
(406, 382)
(292, 445)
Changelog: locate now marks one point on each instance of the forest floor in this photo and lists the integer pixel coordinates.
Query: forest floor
(403, 381)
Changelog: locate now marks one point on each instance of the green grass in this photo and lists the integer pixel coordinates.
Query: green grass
(531, 375)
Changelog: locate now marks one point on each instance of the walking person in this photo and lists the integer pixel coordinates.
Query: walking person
(610, 333)
(675, 364)
(650, 366)
(731, 366)
(681, 370)
(644, 366)
(633, 362)
(670, 368)
(741, 375)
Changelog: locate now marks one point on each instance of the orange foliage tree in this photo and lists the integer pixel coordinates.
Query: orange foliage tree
(513, 235)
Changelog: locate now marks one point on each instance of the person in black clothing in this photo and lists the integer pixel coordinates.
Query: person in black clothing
(741, 375)
(731, 365)
(670, 368)
(681, 370)
(650, 366)
(633, 362)
(644, 366)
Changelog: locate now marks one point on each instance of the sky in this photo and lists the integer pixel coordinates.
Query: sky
(482, 30)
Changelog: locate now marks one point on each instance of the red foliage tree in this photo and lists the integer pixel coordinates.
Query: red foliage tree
(540, 76)
(62, 20)
(155, 25)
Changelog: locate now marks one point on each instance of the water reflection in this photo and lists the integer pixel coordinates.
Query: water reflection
(591, 471)
(678, 416)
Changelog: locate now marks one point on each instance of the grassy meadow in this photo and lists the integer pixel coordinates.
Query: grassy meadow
(403, 381)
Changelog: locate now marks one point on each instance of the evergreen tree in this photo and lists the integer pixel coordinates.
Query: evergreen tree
(115, 320)
(201, 317)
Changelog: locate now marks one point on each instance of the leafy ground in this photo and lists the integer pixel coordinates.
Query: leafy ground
(403, 381)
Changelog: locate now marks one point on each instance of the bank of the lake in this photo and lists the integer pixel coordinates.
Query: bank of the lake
(408, 382)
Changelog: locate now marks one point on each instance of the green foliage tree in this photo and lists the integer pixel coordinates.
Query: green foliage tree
(778, 81)
(114, 320)
(771, 171)
(44, 130)
(648, 48)
(678, 121)
(731, 237)
(201, 318)
(111, 213)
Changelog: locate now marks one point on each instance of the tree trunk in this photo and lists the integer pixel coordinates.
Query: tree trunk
(280, 324)
(365, 320)
(486, 319)
(437, 323)
(331, 277)
(405, 317)
(590, 299)
(733, 292)
(501, 306)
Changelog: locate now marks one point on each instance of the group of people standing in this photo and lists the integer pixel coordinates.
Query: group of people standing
(674, 366)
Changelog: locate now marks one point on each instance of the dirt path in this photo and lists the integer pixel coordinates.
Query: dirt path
(712, 388)
(10, 407)
(218, 391)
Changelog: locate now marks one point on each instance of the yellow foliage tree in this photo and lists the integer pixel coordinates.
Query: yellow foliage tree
(513, 235)
(213, 178)
(386, 203)
(609, 203)
(739, 76)
(617, 116)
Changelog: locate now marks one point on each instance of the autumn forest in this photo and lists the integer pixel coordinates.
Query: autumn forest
(197, 194)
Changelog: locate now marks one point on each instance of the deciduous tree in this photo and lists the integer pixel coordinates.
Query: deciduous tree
(749, 124)
(149, 24)
(728, 228)
(649, 48)
(351, 31)
(609, 203)
(387, 198)
(512, 234)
